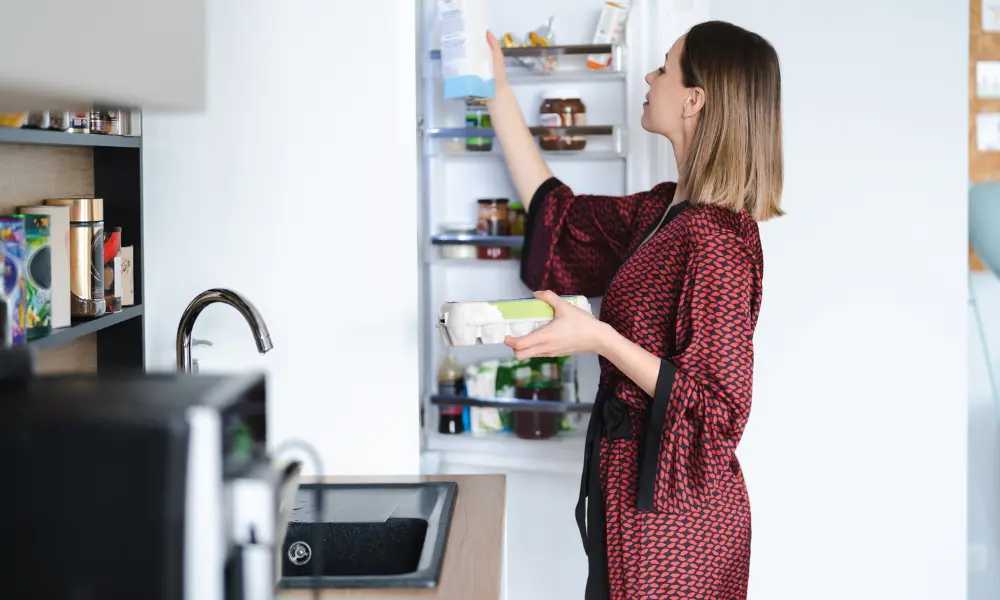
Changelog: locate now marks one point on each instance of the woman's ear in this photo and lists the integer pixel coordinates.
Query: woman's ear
(695, 102)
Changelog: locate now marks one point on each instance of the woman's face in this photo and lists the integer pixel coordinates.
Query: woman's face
(670, 107)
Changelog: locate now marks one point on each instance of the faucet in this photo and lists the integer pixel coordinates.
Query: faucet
(261, 335)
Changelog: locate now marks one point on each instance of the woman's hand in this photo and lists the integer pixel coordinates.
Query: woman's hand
(572, 331)
(499, 65)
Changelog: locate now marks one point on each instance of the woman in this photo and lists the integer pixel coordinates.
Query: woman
(663, 508)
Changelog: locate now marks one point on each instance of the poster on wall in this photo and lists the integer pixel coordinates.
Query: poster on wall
(988, 132)
(991, 15)
(987, 79)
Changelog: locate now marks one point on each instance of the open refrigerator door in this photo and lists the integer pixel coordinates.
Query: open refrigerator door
(478, 402)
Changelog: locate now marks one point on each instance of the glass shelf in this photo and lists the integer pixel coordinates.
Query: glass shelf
(514, 404)
(492, 241)
(463, 132)
(580, 155)
(519, 73)
(604, 142)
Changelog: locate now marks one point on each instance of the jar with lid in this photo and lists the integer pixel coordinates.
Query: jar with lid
(517, 223)
(459, 251)
(477, 117)
(531, 425)
(562, 108)
(493, 220)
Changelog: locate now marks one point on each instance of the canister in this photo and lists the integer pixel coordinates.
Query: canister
(12, 285)
(86, 254)
(38, 276)
(113, 269)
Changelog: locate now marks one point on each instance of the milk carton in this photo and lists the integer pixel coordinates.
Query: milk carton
(466, 60)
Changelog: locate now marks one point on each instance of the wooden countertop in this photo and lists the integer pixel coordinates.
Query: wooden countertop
(473, 558)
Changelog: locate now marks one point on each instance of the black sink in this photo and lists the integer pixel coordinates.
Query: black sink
(367, 536)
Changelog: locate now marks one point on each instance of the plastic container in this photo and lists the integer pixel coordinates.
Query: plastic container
(474, 323)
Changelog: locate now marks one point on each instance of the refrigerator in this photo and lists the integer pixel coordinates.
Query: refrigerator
(544, 558)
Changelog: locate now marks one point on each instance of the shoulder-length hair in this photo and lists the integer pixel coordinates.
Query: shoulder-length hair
(735, 157)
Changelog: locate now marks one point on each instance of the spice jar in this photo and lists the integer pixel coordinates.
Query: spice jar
(477, 117)
(493, 220)
(562, 108)
(86, 255)
(459, 251)
(530, 425)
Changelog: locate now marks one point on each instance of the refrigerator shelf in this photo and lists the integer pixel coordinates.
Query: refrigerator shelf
(495, 154)
(557, 50)
(586, 130)
(461, 239)
(513, 404)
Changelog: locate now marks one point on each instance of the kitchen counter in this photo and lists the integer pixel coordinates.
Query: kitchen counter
(473, 559)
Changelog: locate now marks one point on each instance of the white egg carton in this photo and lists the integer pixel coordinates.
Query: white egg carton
(475, 323)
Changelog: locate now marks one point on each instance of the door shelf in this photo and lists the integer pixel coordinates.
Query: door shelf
(513, 404)
(459, 153)
(492, 241)
(463, 132)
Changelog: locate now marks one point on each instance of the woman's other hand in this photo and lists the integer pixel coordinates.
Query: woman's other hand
(572, 331)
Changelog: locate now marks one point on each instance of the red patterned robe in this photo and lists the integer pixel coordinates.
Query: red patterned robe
(663, 511)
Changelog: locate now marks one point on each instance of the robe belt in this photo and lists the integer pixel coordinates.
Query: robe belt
(610, 419)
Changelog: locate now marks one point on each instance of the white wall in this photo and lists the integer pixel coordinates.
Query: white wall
(298, 188)
(856, 450)
(984, 444)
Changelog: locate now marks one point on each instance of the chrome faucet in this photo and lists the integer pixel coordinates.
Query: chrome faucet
(261, 335)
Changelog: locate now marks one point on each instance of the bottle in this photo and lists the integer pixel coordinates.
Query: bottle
(450, 383)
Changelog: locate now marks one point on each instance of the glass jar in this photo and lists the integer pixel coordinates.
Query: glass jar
(493, 220)
(477, 117)
(459, 251)
(517, 224)
(530, 425)
(562, 108)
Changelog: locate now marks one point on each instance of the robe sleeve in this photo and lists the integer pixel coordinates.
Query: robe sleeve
(702, 397)
(574, 244)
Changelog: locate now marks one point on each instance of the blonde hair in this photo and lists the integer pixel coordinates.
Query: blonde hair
(735, 156)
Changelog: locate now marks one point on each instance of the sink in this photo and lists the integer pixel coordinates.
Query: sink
(390, 535)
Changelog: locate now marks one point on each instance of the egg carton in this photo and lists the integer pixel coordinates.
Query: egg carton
(480, 323)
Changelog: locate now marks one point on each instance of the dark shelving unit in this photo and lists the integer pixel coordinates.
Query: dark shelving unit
(82, 327)
(40, 137)
(118, 181)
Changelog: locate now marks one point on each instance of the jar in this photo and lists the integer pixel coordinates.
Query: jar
(477, 117)
(562, 108)
(517, 224)
(493, 220)
(459, 251)
(530, 425)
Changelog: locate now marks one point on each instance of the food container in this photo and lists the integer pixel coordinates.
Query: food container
(477, 117)
(17, 119)
(13, 288)
(79, 122)
(59, 120)
(38, 120)
(38, 276)
(562, 108)
(86, 254)
(493, 221)
(459, 251)
(530, 425)
(473, 323)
